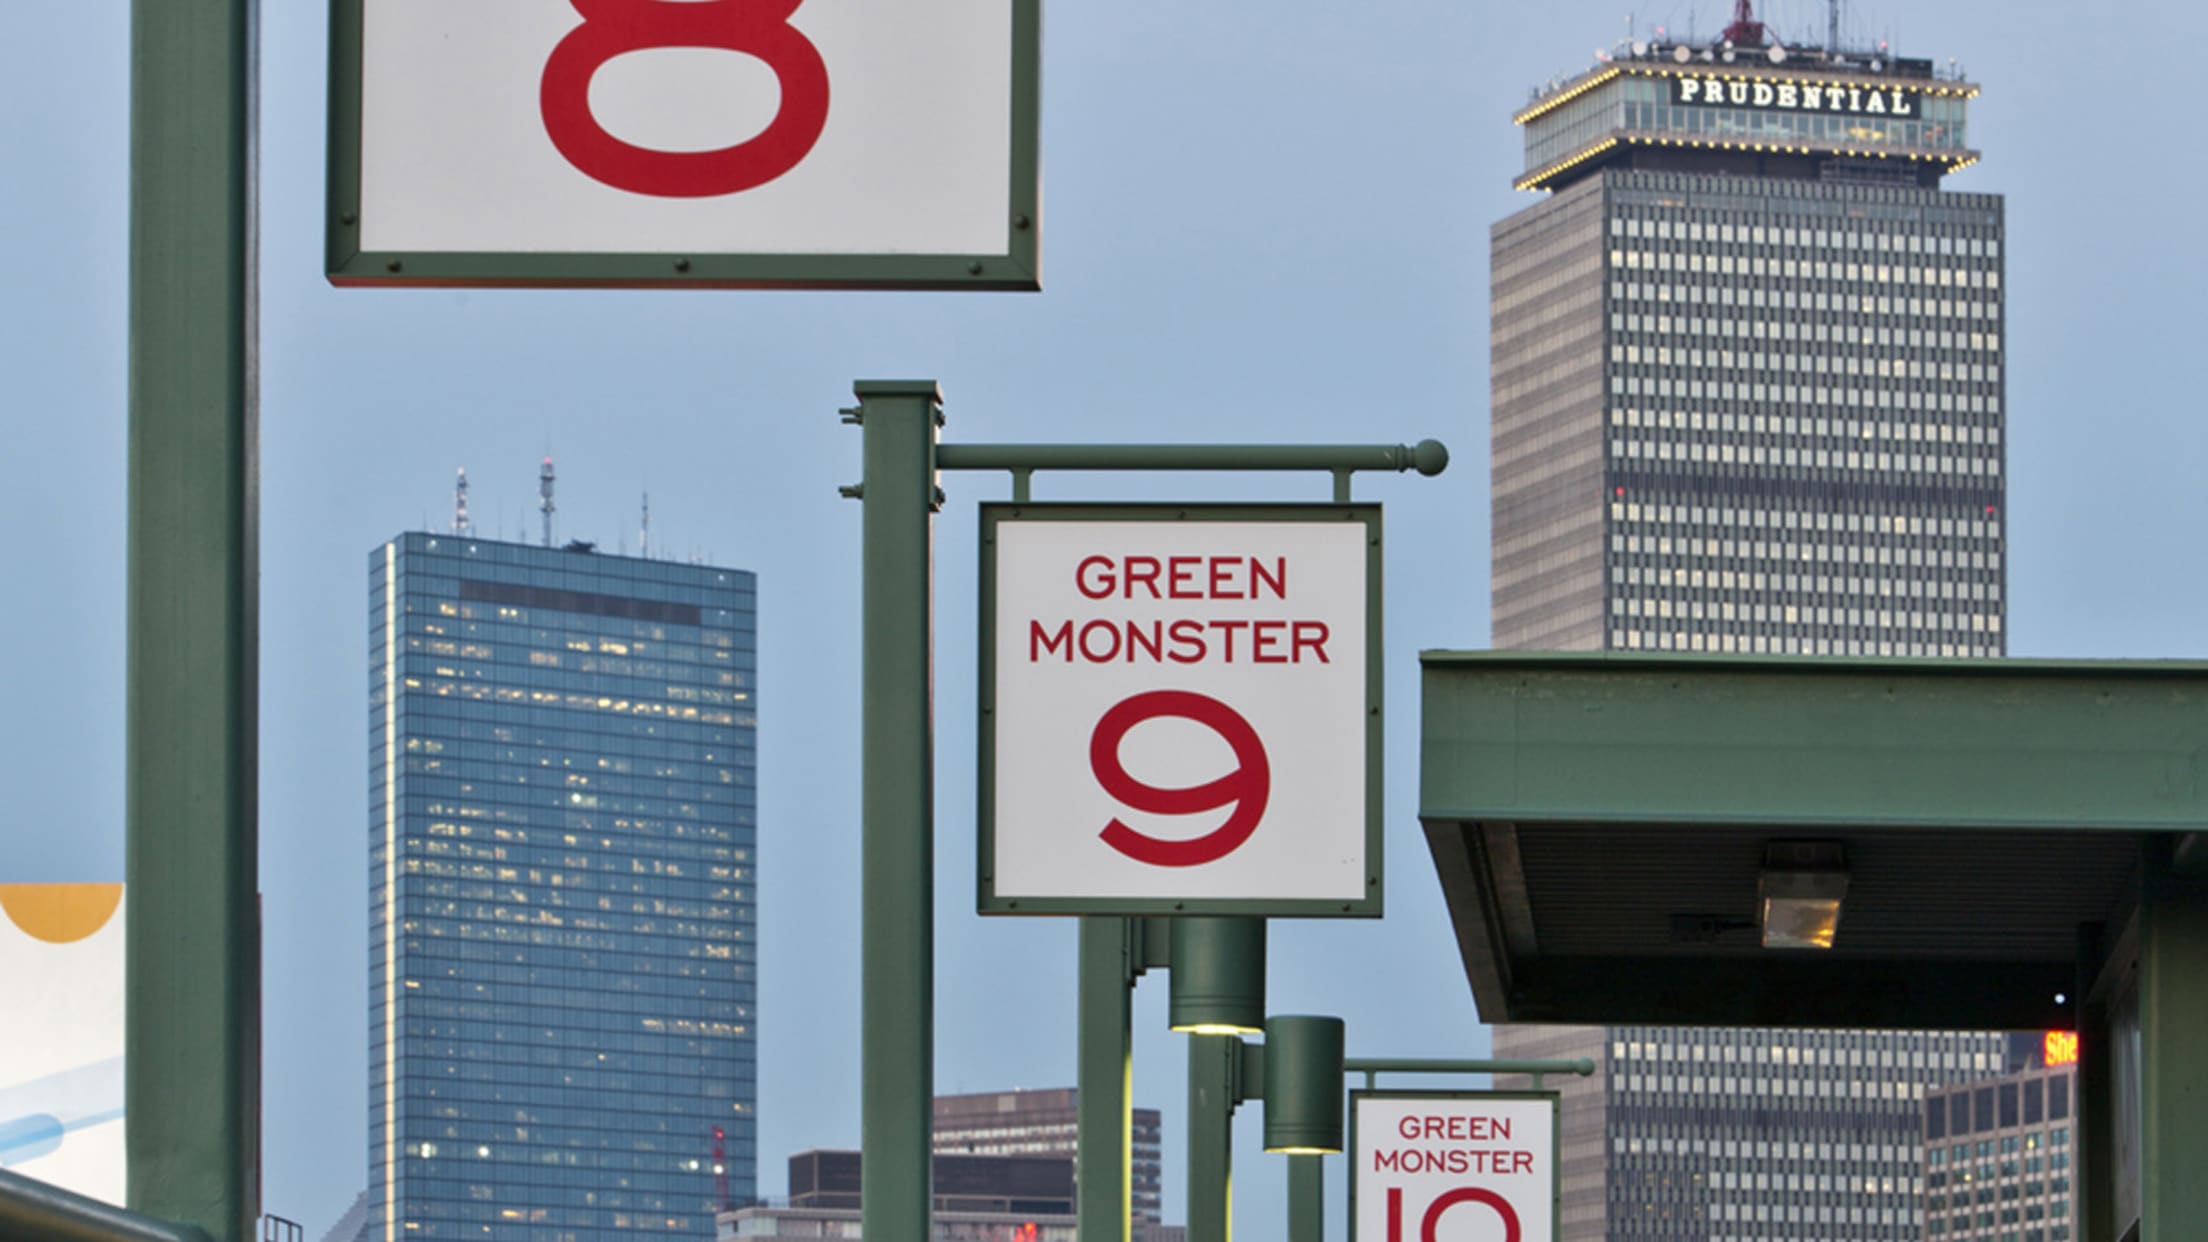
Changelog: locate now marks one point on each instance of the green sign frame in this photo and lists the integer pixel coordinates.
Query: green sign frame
(1556, 1136)
(1015, 267)
(989, 901)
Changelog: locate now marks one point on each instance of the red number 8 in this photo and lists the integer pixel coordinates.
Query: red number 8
(1247, 787)
(755, 27)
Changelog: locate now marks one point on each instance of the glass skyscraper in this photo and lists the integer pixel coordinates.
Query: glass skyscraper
(1747, 397)
(562, 834)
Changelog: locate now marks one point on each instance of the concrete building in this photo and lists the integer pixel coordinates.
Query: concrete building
(561, 831)
(1009, 1123)
(1747, 363)
(1747, 397)
(1004, 1185)
(978, 1198)
(1998, 1153)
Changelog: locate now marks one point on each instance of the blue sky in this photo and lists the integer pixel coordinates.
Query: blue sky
(1262, 223)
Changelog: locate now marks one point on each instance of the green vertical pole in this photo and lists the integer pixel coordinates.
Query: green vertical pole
(1212, 1072)
(896, 809)
(2093, 1183)
(1306, 1198)
(1106, 1124)
(192, 1074)
(2173, 1076)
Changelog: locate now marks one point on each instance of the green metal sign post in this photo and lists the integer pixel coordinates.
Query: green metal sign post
(192, 1075)
(897, 809)
(1224, 1073)
(900, 421)
(1306, 1184)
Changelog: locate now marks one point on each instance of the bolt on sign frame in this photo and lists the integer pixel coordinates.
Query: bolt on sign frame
(550, 143)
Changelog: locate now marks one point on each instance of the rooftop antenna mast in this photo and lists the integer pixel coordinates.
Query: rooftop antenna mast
(1832, 27)
(1745, 31)
(460, 504)
(644, 533)
(544, 489)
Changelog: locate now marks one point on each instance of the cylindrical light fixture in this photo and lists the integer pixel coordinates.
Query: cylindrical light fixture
(1217, 976)
(1303, 1084)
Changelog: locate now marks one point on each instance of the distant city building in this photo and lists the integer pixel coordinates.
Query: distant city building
(1014, 1185)
(1012, 1123)
(1746, 362)
(761, 1223)
(1747, 397)
(352, 1224)
(1998, 1155)
(977, 1199)
(561, 824)
(1733, 1135)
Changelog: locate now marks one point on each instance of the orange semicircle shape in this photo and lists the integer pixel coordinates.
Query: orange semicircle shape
(60, 913)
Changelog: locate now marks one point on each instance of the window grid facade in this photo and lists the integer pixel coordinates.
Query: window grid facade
(562, 830)
(1046, 1123)
(1747, 397)
(1998, 1160)
(1747, 1135)
(1759, 417)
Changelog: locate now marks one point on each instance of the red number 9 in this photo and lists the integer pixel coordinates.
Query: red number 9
(1245, 788)
(755, 27)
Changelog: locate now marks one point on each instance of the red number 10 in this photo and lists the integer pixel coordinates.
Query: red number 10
(611, 28)
(1245, 788)
(1512, 1230)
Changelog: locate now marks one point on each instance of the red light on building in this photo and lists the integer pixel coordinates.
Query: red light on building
(2061, 1048)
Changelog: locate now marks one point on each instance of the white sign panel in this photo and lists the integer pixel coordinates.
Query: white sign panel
(857, 128)
(1466, 1166)
(1181, 715)
(61, 1047)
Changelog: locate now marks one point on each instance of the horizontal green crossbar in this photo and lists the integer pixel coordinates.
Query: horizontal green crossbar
(32, 1209)
(1415, 1065)
(1598, 738)
(1427, 457)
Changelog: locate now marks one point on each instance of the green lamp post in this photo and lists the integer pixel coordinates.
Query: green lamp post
(1218, 979)
(1303, 1085)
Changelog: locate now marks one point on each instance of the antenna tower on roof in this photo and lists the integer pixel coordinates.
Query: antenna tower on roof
(1745, 31)
(644, 533)
(544, 489)
(1832, 27)
(460, 504)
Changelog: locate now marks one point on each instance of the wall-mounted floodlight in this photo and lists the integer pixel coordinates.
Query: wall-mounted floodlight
(1218, 976)
(1303, 1084)
(1799, 893)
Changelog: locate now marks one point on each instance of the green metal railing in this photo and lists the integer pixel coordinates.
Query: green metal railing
(31, 1209)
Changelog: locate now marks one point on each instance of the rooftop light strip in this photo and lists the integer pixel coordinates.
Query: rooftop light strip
(1956, 161)
(1572, 91)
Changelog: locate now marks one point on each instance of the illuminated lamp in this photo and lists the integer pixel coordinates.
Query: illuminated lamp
(1303, 1085)
(1217, 979)
(1799, 894)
